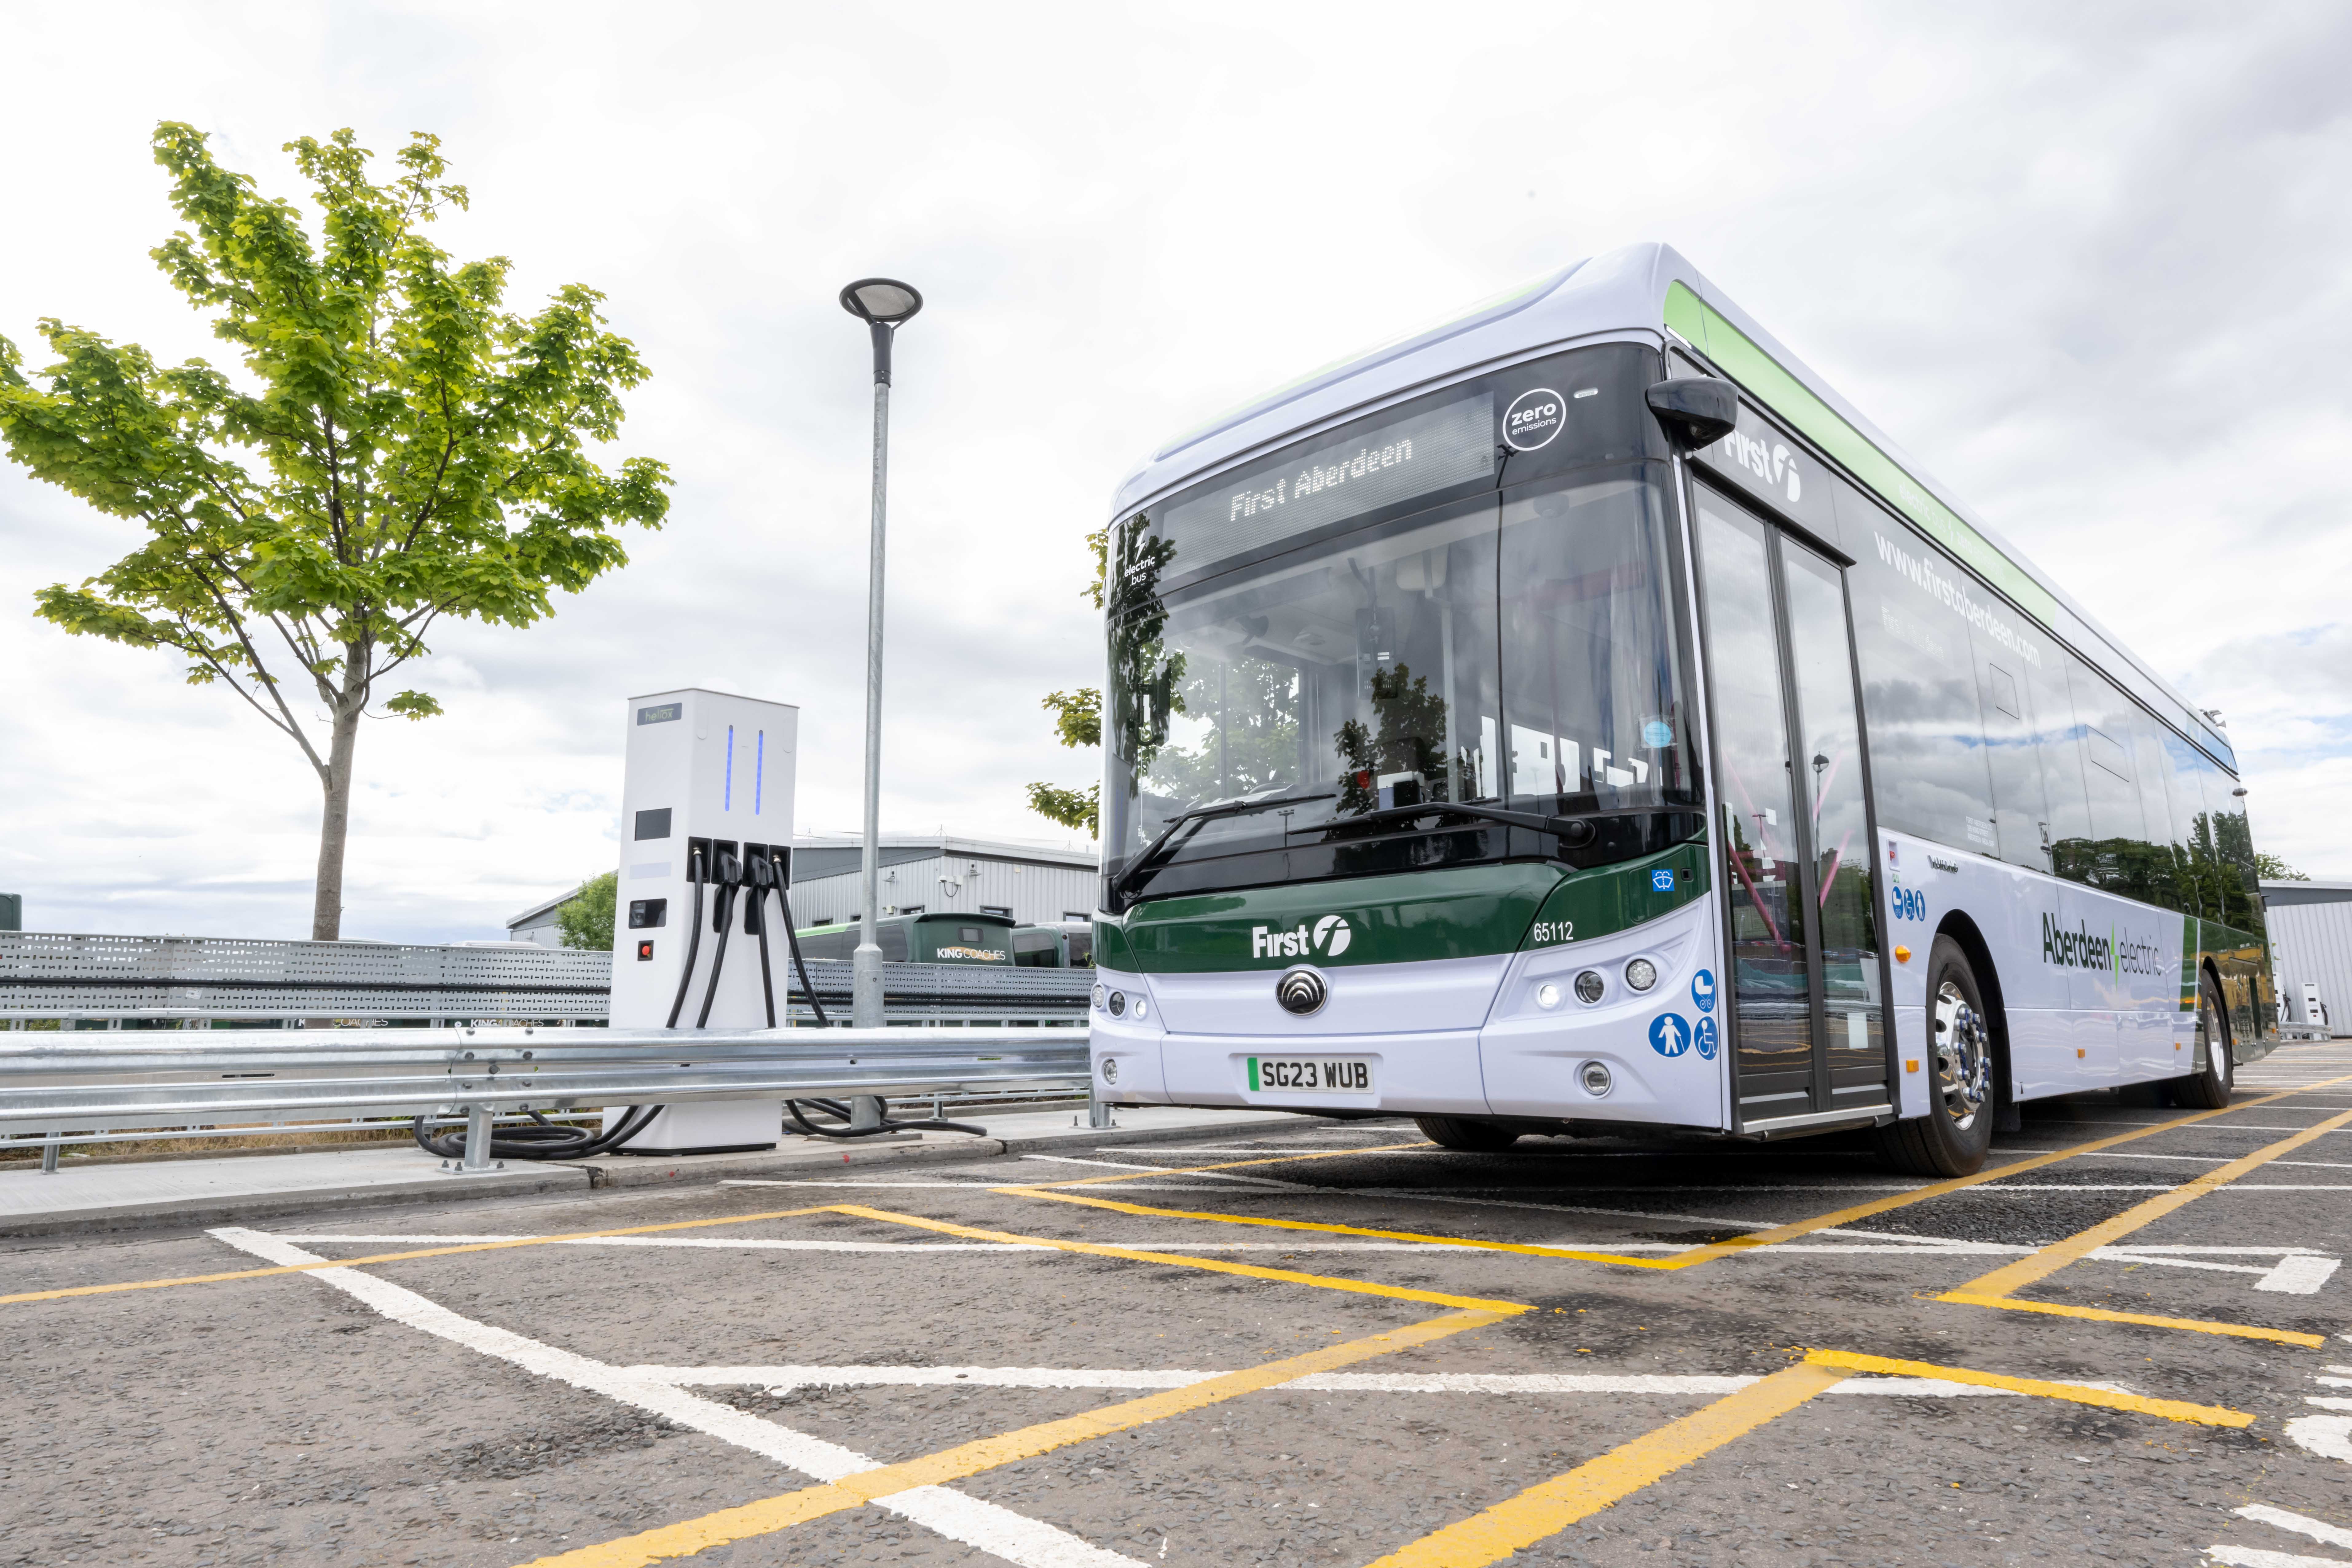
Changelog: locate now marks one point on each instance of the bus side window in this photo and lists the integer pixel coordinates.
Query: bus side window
(2058, 738)
(2197, 898)
(1919, 689)
(2118, 832)
(892, 939)
(827, 945)
(2165, 887)
(2020, 807)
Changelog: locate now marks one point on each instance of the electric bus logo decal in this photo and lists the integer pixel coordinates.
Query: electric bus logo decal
(1702, 995)
(1329, 937)
(1670, 1033)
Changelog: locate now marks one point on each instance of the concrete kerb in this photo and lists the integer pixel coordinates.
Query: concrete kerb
(83, 1211)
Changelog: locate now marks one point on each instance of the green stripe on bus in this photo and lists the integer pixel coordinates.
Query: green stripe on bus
(1253, 1064)
(1702, 326)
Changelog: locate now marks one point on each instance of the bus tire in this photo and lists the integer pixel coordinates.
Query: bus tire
(1462, 1132)
(2207, 1089)
(1954, 1136)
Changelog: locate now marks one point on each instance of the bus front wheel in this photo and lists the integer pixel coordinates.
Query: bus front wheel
(2208, 1089)
(1461, 1133)
(1954, 1136)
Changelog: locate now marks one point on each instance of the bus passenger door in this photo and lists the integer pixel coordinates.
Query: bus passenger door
(1807, 1019)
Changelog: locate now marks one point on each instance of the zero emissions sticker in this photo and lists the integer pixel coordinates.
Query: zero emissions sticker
(1534, 418)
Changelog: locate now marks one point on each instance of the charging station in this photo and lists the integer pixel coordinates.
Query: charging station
(706, 838)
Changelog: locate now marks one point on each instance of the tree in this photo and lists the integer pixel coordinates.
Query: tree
(2270, 868)
(399, 449)
(1077, 722)
(586, 917)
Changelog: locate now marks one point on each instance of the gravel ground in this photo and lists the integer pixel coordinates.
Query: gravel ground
(488, 1408)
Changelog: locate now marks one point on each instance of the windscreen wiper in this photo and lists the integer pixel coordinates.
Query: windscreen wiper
(1576, 830)
(1204, 814)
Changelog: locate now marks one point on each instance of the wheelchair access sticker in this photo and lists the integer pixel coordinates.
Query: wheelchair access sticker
(1703, 990)
(1670, 1033)
(1705, 1035)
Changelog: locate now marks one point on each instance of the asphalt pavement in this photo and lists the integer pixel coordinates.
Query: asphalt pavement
(1303, 1342)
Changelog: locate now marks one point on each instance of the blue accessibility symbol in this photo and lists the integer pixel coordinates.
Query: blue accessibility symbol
(1705, 1035)
(1703, 990)
(1662, 880)
(1670, 1033)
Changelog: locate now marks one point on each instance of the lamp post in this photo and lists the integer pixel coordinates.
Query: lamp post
(883, 304)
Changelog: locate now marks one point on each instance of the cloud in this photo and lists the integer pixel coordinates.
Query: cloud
(2082, 260)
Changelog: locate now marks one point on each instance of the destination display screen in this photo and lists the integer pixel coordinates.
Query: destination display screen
(1367, 471)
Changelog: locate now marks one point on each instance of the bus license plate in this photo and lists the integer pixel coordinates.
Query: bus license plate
(1310, 1075)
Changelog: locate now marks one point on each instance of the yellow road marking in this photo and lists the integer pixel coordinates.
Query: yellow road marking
(1230, 1164)
(1994, 1290)
(2074, 1392)
(2149, 1320)
(771, 1514)
(1957, 1183)
(1705, 1254)
(397, 1257)
(2012, 1277)
(1529, 1249)
(1213, 1265)
(1552, 1505)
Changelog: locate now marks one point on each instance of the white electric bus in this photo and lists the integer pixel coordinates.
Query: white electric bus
(1578, 717)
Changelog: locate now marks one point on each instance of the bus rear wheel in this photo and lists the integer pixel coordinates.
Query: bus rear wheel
(1461, 1133)
(1954, 1136)
(2208, 1088)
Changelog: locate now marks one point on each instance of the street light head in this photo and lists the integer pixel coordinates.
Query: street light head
(884, 301)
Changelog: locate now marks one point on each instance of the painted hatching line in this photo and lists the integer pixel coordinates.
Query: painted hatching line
(985, 1526)
(2280, 1519)
(2330, 1436)
(780, 1380)
(2300, 1271)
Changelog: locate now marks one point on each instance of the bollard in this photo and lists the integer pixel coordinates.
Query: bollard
(865, 1110)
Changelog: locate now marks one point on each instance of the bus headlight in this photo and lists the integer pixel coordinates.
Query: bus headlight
(1546, 995)
(1590, 986)
(1595, 1077)
(1640, 975)
(1117, 1003)
(1142, 1007)
(1100, 992)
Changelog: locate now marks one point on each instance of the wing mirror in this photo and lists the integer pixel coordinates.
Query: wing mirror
(1696, 410)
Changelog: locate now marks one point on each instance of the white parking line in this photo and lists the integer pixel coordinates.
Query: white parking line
(2227, 1158)
(782, 1379)
(990, 1528)
(1162, 1244)
(2318, 1530)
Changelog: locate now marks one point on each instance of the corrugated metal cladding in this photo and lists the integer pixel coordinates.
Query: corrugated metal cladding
(962, 883)
(2311, 937)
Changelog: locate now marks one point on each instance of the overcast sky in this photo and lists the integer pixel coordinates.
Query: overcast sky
(2086, 262)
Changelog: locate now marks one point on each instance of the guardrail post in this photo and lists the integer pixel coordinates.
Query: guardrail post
(49, 1152)
(1098, 1113)
(865, 1110)
(478, 1140)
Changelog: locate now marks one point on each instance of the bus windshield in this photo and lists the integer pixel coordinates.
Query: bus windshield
(1514, 648)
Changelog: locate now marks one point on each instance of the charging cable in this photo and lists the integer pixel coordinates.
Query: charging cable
(774, 873)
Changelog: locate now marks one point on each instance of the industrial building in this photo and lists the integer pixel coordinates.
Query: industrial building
(2310, 944)
(924, 874)
(936, 873)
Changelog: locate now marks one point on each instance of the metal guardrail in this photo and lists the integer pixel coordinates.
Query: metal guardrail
(189, 980)
(50, 1083)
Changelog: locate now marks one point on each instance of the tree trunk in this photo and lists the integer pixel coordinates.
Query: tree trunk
(334, 828)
